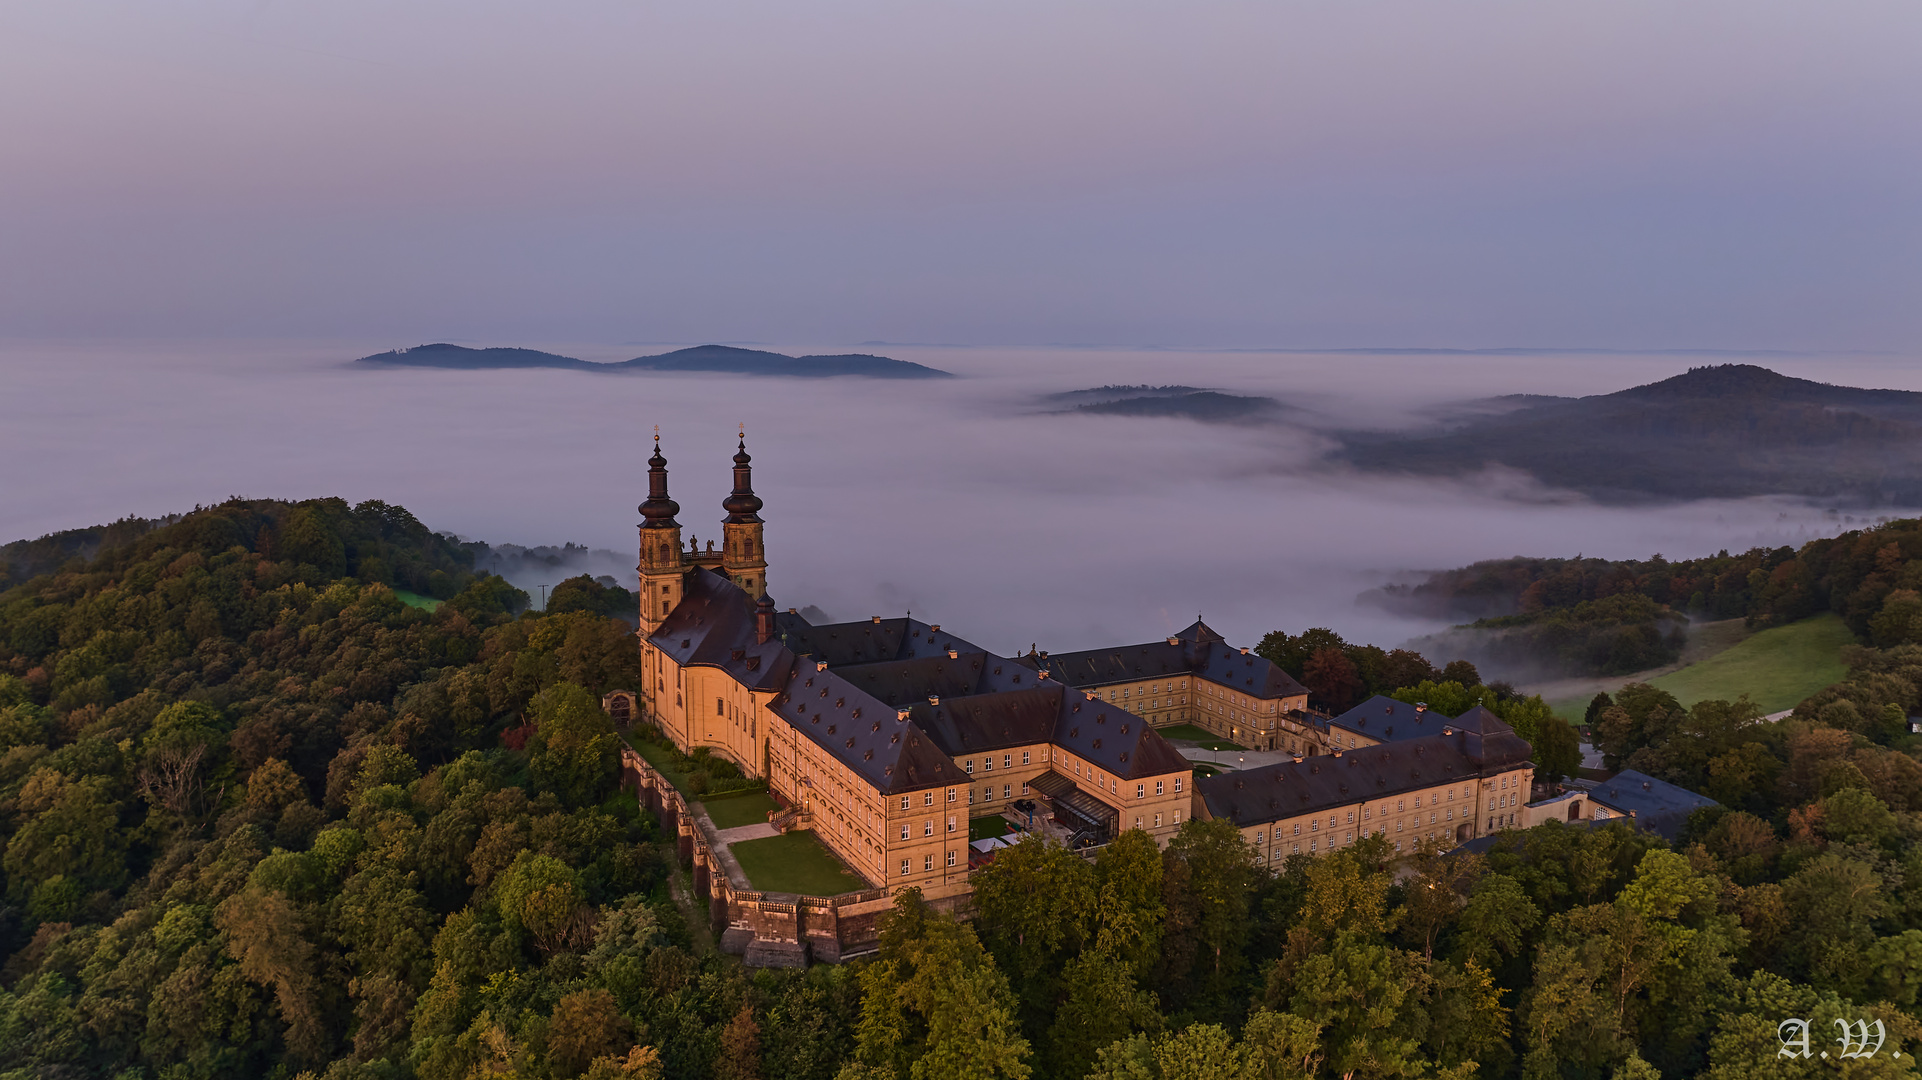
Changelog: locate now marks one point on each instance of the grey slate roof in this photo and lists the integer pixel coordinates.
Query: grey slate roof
(713, 625)
(1113, 739)
(1384, 719)
(1658, 806)
(863, 732)
(1196, 650)
(905, 682)
(1274, 792)
(850, 707)
(866, 642)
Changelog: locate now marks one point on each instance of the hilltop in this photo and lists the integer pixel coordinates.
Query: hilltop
(1727, 431)
(711, 358)
(1185, 402)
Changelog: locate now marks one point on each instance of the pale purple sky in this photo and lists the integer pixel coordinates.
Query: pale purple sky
(1703, 174)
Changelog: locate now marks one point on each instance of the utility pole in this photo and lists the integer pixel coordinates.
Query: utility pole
(543, 590)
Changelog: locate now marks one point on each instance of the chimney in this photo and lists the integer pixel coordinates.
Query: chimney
(1244, 650)
(934, 699)
(876, 618)
(763, 621)
(1448, 731)
(935, 626)
(953, 653)
(820, 665)
(901, 715)
(1172, 640)
(1420, 707)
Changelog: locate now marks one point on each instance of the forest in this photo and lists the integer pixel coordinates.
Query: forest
(1601, 616)
(260, 817)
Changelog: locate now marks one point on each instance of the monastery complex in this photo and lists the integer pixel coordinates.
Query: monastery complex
(885, 736)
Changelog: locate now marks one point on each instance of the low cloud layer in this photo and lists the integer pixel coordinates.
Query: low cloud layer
(960, 501)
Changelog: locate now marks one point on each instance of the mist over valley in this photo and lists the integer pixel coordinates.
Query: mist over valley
(956, 499)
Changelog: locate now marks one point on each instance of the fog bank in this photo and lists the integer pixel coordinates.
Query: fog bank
(959, 501)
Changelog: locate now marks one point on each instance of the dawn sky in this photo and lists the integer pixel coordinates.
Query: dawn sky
(1622, 175)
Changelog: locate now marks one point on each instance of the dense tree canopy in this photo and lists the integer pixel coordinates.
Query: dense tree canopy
(257, 820)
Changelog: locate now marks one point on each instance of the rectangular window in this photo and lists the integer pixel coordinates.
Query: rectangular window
(968, 766)
(1297, 850)
(904, 802)
(719, 708)
(1351, 817)
(904, 868)
(927, 798)
(927, 827)
(1007, 791)
(1297, 828)
(950, 858)
(1157, 821)
(1141, 791)
(987, 764)
(1024, 787)
(1157, 787)
(1177, 785)
(1007, 761)
(927, 863)
(1400, 805)
(1177, 817)
(950, 822)
(904, 832)
(1024, 757)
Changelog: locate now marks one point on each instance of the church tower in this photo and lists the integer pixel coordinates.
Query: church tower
(745, 559)
(661, 568)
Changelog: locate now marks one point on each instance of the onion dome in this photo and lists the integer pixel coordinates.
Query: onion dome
(659, 510)
(742, 505)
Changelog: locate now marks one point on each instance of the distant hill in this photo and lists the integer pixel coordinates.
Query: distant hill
(1206, 405)
(1728, 431)
(1185, 402)
(1120, 393)
(714, 358)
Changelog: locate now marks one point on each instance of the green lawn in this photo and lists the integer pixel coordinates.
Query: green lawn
(1193, 734)
(733, 811)
(795, 862)
(1776, 668)
(992, 827)
(661, 758)
(414, 599)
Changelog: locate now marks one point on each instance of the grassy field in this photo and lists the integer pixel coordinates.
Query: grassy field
(992, 827)
(1776, 668)
(661, 759)
(1201, 735)
(733, 811)
(795, 862)
(414, 599)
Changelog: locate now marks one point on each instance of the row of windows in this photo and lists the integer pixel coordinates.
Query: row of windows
(1007, 762)
(927, 864)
